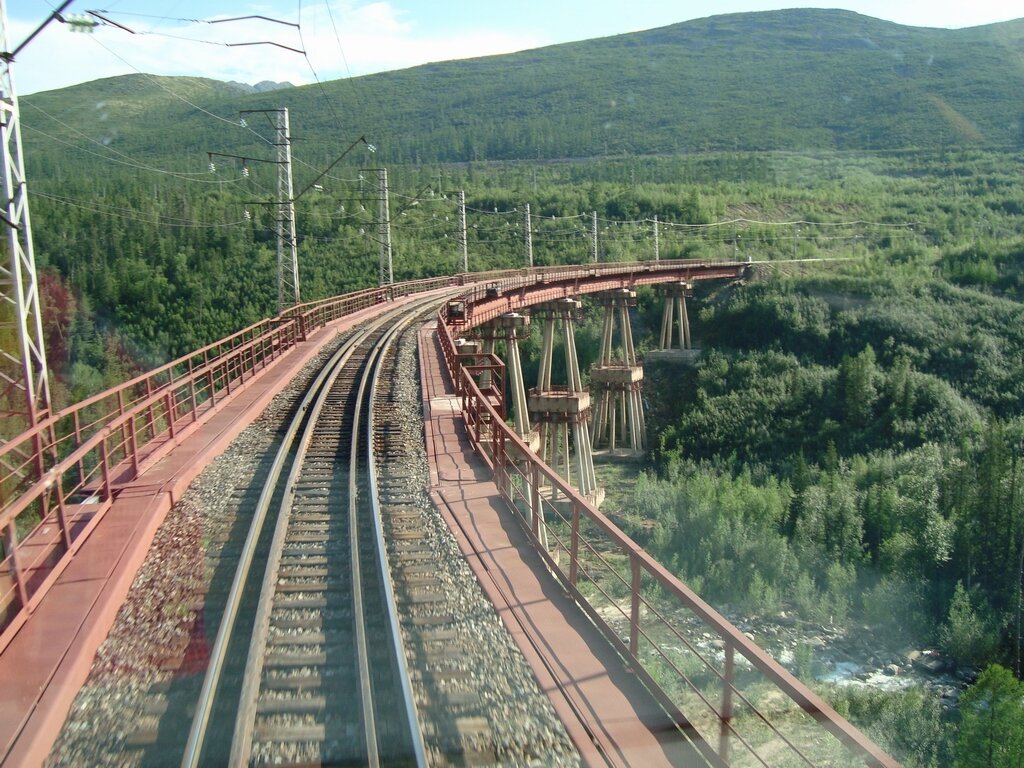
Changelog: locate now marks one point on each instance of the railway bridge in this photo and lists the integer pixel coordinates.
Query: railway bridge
(633, 666)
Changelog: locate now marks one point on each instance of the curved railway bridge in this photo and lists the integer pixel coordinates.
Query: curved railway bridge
(328, 625)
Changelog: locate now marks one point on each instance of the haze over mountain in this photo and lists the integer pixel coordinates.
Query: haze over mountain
(781, 80)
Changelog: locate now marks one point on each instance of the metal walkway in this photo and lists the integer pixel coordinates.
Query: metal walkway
(611, 717)
(49, 658)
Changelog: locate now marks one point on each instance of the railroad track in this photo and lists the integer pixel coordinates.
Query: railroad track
(325, 680)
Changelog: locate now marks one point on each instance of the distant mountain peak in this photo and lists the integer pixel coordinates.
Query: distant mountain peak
(261, 87)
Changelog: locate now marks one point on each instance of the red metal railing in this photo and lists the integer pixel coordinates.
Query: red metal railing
(53, 496)
(59, 479)
(712, 677)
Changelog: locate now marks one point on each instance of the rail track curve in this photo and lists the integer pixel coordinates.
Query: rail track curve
(325, 679)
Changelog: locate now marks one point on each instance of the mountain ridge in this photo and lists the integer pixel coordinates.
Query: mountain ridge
(774, 80)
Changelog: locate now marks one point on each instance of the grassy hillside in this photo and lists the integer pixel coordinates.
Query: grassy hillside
(798, 79)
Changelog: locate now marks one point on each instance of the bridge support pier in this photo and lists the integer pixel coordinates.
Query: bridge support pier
(510, 328)
(675, 309)
(563, 410)
(674, 314)
(616, 379)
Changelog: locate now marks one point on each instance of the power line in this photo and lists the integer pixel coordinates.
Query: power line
(132, 214)
(305, 54)
(178, 96)
(127, 159)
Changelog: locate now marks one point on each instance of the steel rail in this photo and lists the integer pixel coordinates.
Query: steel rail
(369, 381)
(362, 651)
(412, 718)
(211, 681)
(305, 418)
(241, 743)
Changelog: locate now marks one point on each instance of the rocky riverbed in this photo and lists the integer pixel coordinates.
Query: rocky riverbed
(854, 656)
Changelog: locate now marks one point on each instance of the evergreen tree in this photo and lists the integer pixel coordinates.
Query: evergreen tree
(992, 730)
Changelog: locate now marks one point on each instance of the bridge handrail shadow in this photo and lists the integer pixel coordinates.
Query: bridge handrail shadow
(690, 657)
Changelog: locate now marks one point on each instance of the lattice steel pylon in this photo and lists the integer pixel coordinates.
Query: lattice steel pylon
(23, 370)
(385, 266)
(287, 248)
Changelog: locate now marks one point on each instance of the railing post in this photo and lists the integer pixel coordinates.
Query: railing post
(133, 443)
(209, 383)
(78, 441)
(62, 517)
(169, 410)
(634, 610)
(250, 357)
(494, 452)
(535, 511)
(120, 412)
(500, 468)
(105, 465)
(728, 678)
(192, 397)
(11, 545)
(574, 544)
(150, 418)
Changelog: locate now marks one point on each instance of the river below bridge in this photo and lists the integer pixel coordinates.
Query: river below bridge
(854, 656)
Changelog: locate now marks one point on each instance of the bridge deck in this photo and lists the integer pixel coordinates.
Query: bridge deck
(49, 659)
(609, 715)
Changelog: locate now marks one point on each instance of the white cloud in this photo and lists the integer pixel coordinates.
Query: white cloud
(352, 38)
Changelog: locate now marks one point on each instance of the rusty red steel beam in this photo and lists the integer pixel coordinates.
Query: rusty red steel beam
(538, 285)
(192, 381)
(520, 293)
(117, 450)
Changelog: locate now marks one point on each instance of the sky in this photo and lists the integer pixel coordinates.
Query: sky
(330, 39)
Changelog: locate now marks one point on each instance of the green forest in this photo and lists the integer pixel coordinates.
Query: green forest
(791, 80)
(847, 447)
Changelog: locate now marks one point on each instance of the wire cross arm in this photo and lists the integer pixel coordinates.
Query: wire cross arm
(267, 42)
(111, 22)
(243, 158)
(244, 18)
(349, 148)
(9, 55)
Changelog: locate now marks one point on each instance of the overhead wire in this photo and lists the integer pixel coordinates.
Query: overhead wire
(132, 214)
(121, 158)
(350, 78)
(234, 123)
(540, 235)
(112, 155)
(305, 54)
